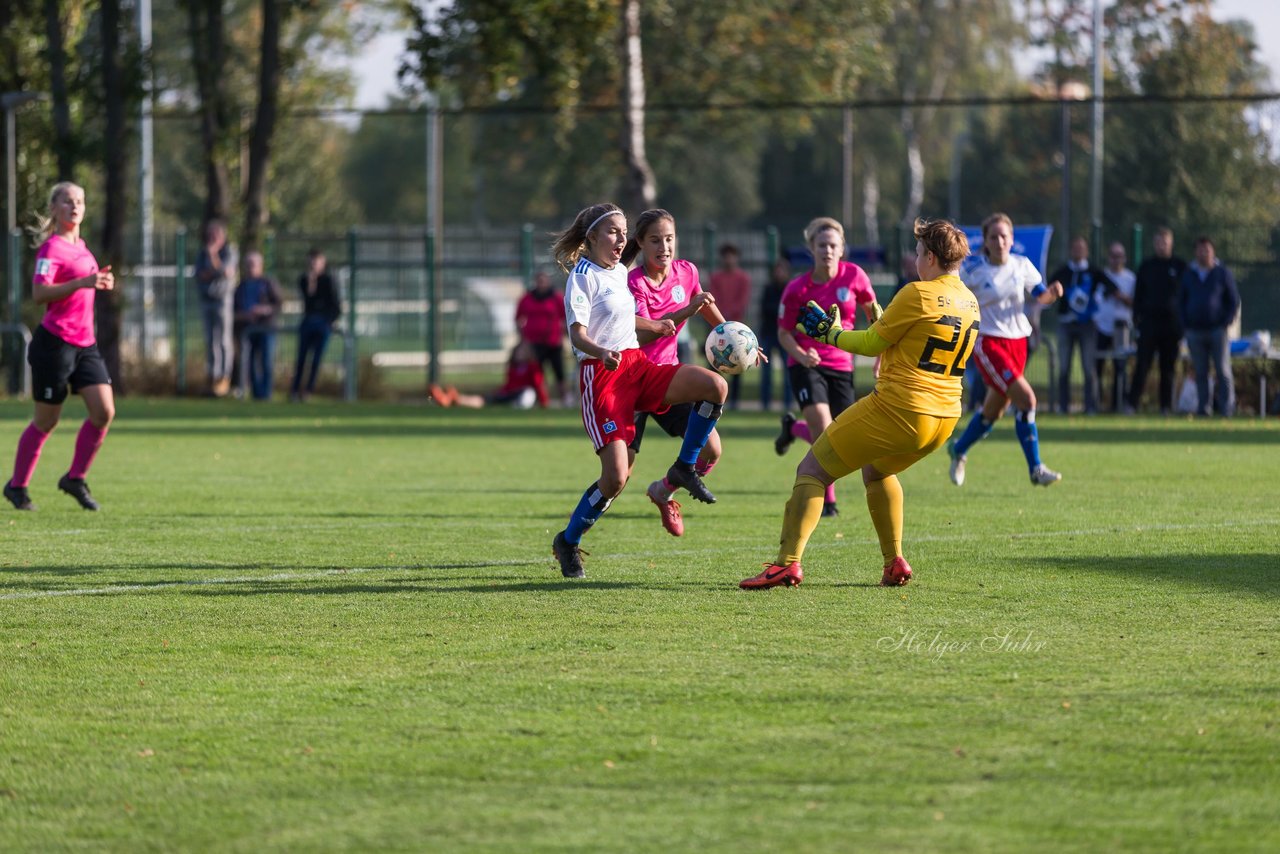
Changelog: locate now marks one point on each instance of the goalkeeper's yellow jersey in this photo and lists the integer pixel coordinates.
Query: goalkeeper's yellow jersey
(931, 328)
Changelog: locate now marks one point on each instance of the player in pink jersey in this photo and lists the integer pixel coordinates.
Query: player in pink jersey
(617, 379)
(667, 288)
(821, 375)
(63, 351)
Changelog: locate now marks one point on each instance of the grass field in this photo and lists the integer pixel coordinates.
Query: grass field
(333, 628)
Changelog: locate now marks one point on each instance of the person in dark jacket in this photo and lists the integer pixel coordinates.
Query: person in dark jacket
(1157, 319)
(321, 308)
(257, 310)
(1082, 283)
(1208, 305)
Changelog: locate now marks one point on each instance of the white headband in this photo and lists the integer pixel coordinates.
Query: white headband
(602, 216)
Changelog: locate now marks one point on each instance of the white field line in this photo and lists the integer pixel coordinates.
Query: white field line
(330, 573)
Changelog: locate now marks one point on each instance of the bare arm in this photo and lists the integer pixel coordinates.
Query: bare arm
(102, 280)
(808, 358)
(649, 330)
(583, 343)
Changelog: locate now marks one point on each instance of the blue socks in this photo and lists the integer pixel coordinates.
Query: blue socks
(1024, 423)
(701, 422)
(977, 430)
(590, 508)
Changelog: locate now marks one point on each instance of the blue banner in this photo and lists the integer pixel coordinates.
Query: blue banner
(1029, 240)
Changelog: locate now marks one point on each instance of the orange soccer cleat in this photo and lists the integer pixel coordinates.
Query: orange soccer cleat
(897, 573)
(775, 576)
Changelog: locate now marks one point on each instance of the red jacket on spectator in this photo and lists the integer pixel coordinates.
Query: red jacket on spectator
(540, 317)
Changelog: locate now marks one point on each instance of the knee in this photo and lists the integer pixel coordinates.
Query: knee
(718, 388)
(611, 484)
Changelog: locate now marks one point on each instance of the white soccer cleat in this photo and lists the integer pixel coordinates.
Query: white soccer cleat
(1044, 476)
(957, 471)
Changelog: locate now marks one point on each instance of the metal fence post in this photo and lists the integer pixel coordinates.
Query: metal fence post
(433, 309)
(526, 255)
(349, 354)
(14, 257)
(180, 309)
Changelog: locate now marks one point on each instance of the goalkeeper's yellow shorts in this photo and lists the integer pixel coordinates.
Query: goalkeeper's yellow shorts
(872, 433)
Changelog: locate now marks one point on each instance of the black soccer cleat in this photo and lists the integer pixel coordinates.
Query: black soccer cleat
(678, 475)
(18, 497)
(569, 555)
(79, 490)
(785, 438)
(829, 509)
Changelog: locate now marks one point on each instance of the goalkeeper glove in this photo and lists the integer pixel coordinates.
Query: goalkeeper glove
(820, 325)
(876, 311)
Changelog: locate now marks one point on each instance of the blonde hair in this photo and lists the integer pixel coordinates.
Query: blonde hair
(993, 220)
(947, 243)
(567, 248)
(45, 225)
(821, 224)
(644, 222)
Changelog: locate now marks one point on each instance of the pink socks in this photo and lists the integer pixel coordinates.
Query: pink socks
(29, 447)
(88, 441)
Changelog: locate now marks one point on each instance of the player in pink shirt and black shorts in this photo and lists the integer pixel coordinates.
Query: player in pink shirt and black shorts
(667, 288)
(821, 375)
(617, 379)
(64, 352)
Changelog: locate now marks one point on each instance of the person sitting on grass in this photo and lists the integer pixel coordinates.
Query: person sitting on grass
(524, 386)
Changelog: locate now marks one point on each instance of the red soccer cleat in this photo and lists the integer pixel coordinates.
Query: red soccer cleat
(775, 576)
(897, 573)
(670, 512)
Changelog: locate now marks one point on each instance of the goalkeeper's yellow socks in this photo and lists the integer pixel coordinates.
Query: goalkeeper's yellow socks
(884, 500)
(804, 509)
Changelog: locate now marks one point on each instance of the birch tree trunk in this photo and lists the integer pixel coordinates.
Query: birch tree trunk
(639, 191)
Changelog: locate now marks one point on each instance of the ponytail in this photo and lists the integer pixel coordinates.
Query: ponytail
(567, 247)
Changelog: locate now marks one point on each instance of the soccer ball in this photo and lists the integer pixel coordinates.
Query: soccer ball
(732, 348)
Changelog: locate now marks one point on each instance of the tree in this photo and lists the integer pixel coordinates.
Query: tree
(264, 124)
(206, 29)
(116, 97)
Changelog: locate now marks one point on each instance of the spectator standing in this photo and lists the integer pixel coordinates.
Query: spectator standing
(540, 319)
(1114, 319)
(257, 304)
(1081, 283)
(1157, 318)
(1209, 303)
(770, 302)
(215, 282)
(731, 287)
(321, 308)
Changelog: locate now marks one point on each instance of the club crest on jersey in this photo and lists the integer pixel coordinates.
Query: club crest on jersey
(842, 294)
(43, 266)
(579, 298)
(677, 293)
(610, 426)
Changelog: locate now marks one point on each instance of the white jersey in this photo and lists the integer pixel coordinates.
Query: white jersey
(1111, 312)
(1002, 291)
(600, 300)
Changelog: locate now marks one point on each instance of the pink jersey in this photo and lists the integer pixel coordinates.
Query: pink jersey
(71, 318)
(654, 301)
(849, 289)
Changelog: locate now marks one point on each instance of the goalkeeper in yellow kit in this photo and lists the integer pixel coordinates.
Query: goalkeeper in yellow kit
(924, 339)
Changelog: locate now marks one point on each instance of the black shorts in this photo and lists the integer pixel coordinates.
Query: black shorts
(674, 421)
(822, 385)
(552, 354)
(55, 364)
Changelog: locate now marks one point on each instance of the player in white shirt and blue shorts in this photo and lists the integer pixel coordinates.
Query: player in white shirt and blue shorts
(616, 378)
(1002, 281)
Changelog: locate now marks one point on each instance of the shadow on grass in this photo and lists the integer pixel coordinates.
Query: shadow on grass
(1247, 573)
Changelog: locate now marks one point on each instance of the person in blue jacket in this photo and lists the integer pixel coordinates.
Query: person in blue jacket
(1209, 303)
